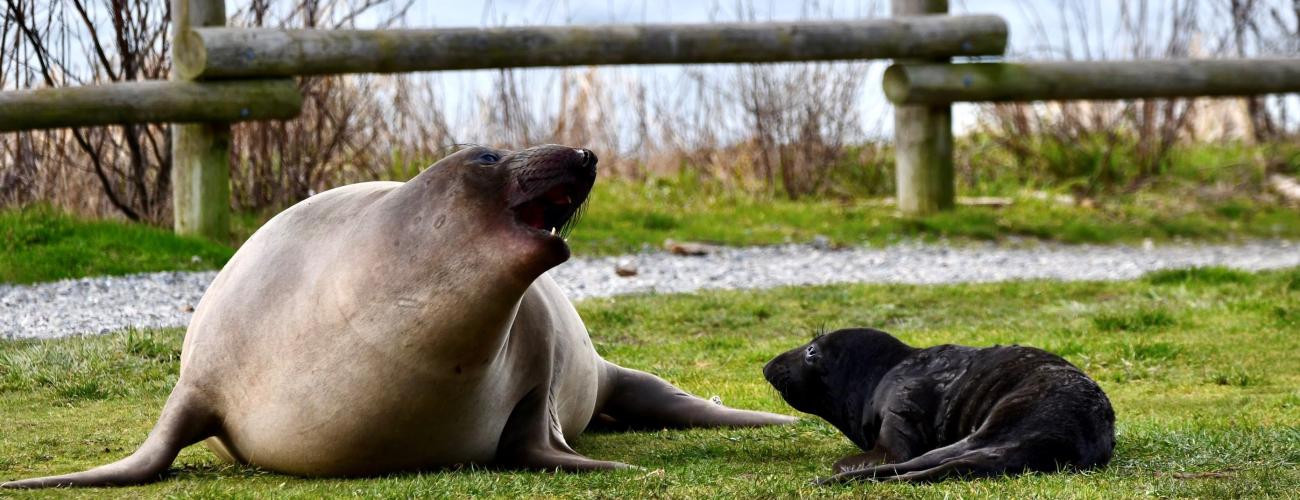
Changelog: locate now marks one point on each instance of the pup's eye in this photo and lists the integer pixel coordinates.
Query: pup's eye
(489, 158)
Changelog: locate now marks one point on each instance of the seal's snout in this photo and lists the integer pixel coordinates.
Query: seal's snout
(549, 186)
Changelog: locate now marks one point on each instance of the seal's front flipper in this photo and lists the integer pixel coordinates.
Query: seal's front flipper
(559, 460)
(639, 400)
(533, 439)
(182, 423)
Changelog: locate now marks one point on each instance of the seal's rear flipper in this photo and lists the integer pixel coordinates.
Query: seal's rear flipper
(639, 400)
(180, 425)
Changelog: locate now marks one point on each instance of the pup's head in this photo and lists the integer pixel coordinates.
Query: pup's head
(835, 375)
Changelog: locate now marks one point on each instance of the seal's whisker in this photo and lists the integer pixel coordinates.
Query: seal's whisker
(573, 219)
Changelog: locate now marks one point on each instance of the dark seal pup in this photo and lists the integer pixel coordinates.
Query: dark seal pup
(931, 414)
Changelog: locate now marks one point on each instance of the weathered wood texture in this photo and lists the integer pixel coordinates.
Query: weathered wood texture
(201, 179)
(923, 140)
(246, 53)
(200, 153)
(1045, 81)
(148, 102)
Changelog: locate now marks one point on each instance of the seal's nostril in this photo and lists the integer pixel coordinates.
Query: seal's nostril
(586, 157)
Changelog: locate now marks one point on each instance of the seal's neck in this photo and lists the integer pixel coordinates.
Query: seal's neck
(484, 322)
(861, 409)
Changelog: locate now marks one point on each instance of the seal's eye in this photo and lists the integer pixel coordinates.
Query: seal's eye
(489, 158)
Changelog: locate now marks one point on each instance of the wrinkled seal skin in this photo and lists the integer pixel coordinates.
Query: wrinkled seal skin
(385, 327)
(946, 411)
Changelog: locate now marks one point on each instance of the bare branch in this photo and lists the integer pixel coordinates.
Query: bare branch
(94, 36)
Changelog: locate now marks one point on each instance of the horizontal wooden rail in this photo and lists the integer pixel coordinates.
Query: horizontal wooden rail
(1054, 81)
(253, 53)
(148, 102)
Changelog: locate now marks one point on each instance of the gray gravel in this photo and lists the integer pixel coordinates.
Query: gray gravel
(104, 304)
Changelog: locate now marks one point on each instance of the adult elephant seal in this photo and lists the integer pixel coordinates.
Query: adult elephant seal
(385, 327)
(930, 414)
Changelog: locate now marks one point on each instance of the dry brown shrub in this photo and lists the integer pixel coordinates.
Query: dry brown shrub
(122, 170)
(1127, 143)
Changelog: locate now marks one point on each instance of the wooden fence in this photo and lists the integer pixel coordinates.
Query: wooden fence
(224, 75)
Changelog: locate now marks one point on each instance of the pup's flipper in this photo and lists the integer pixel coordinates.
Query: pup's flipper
(956, 460)
(860, 461)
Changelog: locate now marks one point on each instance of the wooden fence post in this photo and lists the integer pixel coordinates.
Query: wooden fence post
(200, 151)
(923, 140)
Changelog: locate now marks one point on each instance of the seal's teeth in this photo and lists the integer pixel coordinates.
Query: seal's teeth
(552, 231)
(568, 200)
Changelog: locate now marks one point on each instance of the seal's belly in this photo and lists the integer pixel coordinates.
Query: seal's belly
(369, 433)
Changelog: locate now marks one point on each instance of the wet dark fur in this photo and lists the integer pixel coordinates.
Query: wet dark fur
(931, 414)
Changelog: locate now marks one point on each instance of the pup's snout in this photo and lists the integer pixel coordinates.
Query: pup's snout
(587, 158)
(586, 161)
(774, 371)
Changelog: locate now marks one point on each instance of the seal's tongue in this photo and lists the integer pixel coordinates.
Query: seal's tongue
(531, 215)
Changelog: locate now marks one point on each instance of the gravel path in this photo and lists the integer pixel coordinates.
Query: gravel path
(104, 304)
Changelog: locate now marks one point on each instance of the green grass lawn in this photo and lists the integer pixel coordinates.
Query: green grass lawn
(623, 216)
(40, 244)
(1203, 368)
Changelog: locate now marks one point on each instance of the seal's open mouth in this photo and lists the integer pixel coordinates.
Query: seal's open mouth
(547, 189)
(553, 210)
